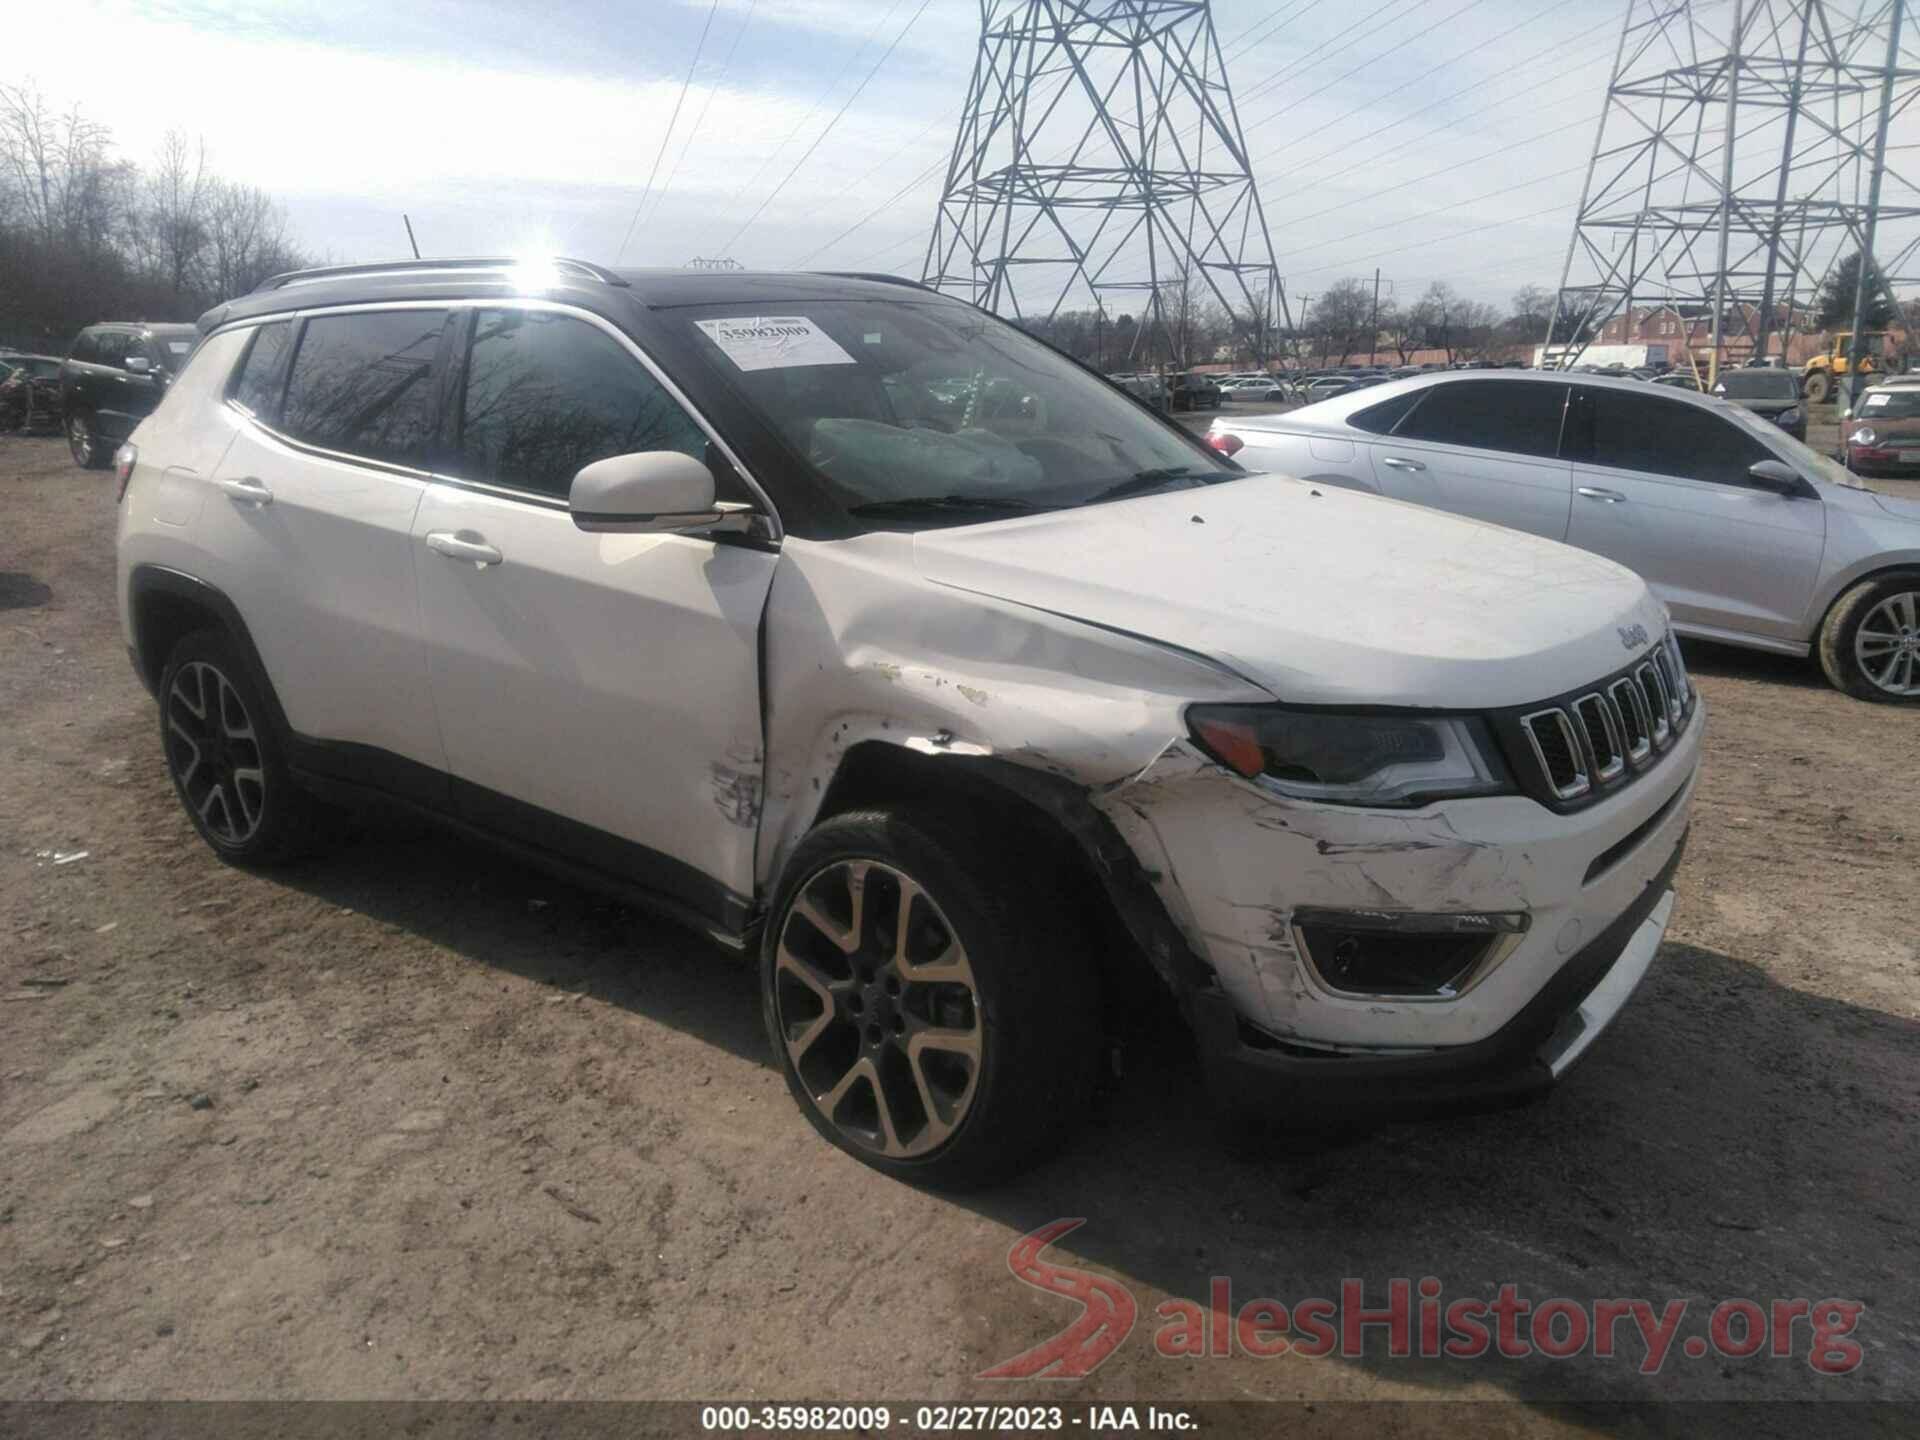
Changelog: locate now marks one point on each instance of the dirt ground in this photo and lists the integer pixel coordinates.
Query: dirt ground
(410, 1122)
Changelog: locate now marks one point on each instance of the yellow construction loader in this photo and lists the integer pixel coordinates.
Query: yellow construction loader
(1823, 372)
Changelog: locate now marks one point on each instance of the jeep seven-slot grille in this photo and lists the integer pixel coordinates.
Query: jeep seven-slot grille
(1570, 751)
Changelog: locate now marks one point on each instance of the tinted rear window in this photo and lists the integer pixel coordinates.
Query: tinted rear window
(257, 386)
(1381, 418)
(1518, 417)
(1757, 384)
(363, 384)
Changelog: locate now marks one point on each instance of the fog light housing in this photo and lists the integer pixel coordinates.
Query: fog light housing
(1402, 955)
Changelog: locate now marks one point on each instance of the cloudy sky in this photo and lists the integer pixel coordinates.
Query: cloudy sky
(1437, 139)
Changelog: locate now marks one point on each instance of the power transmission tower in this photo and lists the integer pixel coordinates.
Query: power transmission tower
(1741, 156)
(1145, 188)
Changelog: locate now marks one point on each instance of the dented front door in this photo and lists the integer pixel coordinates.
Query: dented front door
(598, 695)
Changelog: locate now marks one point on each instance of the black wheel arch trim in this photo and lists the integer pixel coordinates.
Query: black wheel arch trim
(147, 582)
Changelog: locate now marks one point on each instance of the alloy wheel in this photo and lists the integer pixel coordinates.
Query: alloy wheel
(876, 1004)
(214, 752)
(80, 439)
(1887, 644)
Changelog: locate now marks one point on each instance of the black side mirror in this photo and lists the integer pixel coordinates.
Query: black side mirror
(1776, 475)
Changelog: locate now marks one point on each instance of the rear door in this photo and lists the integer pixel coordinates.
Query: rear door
(1661, 485)
(598, 693)
(309, 523)
(1488, 449)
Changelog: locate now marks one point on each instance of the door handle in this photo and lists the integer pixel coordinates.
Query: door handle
(463, 545)
(247, 488)
(1395, 462)
(1610, 497)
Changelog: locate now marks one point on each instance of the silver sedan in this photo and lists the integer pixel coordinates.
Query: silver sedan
(1750, 537)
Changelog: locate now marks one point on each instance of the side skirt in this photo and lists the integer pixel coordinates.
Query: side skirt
(362, 777)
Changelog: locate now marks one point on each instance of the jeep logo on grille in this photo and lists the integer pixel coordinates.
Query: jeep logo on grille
(1632, 636)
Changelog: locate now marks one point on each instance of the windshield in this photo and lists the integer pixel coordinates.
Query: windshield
(1758, 384)
(1901, 404)
(914, 408)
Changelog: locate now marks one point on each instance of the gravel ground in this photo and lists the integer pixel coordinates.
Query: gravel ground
(408, 1121)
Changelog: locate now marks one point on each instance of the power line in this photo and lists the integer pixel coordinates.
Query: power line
(813, 109)
(904, 147)
(1535, 138)
(1346, 148)
(707, 103)
(660, 154)
(920, 179)
(1233, 48)
(829, 126)
(1348, 75)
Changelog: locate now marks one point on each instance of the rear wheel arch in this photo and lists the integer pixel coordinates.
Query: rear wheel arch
(166, 606)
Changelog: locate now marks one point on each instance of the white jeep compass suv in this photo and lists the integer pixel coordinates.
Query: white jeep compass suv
(853, 626)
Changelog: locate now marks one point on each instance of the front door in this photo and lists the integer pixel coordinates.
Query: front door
(1662, 486)
(1483, 448)
(122, 397)
(598, 694)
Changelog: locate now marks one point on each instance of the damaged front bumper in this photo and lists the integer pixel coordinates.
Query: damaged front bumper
(1581, 900)
(1246, 1067)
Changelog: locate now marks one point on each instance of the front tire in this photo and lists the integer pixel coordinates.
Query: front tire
(1870, 644)
(927, 1023)
(83, 441)
(225, 759)
(1817, 386)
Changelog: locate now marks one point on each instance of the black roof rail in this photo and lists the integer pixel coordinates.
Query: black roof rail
(421, 267)
(875, 275)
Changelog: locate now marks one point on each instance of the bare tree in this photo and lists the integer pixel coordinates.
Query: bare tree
(171, 226)
(1532, 308)
(245, 238)
(1342, 318)
(85, 236)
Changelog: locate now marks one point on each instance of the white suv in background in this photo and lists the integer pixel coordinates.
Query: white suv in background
(856, 627)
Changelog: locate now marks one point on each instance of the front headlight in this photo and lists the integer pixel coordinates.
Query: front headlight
(1788, 417)
(1863, 436)
(1353, 759)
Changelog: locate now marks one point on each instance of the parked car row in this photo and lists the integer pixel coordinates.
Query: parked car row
(112, 377)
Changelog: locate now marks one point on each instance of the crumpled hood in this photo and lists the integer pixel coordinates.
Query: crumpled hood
(1321, 595)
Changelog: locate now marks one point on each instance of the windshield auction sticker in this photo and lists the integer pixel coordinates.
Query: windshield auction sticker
(774, 342)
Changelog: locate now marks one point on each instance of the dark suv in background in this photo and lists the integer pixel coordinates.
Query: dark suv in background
(1772, 393)
(1194, 391)
(113, 378)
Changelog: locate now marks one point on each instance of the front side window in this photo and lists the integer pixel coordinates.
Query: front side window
(362, 384)
(546, 394)
(110, 347)
(1671, 437)
(1519, 417)
(937, 413)
(256, 389)
(87, 348)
